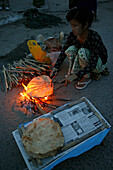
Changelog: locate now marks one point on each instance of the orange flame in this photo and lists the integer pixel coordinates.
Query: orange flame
(25, 87)
(24, 95)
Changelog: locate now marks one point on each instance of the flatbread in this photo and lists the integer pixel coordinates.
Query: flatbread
(42, 138)
(40, 86)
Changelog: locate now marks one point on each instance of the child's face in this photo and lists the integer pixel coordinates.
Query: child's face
(77, 27)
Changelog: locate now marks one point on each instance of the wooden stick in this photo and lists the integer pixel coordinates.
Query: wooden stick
(62, 81)
(62, 99)
(56, 87)
(36, 66)
(6, 83)
(40, 109)
(14, 80)
(35, 61)
(15, 77)
(66, 82)
(42, 68)
(19, 71)
(49, 105)
(23, 68)
(71, 78)
(9, 80)
(30, 67)
(2, 87)
(11, 67)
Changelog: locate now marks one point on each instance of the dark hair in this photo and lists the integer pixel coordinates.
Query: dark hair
(82, 15)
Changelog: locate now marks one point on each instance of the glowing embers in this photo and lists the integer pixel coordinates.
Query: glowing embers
(32, 105)
(29, 105)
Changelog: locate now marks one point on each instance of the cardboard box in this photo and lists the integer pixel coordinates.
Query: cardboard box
(83, 127)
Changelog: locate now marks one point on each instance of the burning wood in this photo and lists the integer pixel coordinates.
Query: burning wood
(31, 104)
(36, 105)
(47, 104)
(35, 102)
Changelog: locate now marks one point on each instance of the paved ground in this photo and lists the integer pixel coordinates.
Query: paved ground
(100, 93)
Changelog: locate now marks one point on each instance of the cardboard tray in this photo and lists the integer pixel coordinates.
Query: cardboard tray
(72, 148)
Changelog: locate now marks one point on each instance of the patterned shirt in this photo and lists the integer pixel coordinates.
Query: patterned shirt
(93, 43)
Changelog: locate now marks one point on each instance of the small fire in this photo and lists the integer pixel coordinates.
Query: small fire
(24, 95)
(31, 104)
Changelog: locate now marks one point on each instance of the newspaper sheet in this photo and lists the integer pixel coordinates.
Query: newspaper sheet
(76, 121)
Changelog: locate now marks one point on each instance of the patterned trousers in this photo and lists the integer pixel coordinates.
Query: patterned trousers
(79, 59)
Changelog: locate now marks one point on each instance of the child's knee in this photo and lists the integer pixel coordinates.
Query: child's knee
(71, 50)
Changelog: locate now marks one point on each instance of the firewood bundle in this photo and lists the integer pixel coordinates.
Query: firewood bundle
(23, 71)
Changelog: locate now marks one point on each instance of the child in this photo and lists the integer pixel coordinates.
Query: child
(84, 47)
